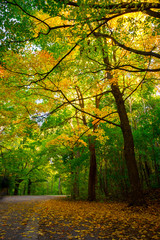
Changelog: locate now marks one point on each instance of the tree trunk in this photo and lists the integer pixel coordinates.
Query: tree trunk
(59, 187)
(156, 165)
(4, 186)
(16, 188)
(103, 179)
(93, 164)
(92, 172)
(136, 190)
(29, 186)
(75, 194)
(148, 171)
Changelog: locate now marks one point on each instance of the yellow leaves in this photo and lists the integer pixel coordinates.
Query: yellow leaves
(66, 140)
(100, 135)
(64, 84)
(102, 113)
(79, 220)
(62, 219)
(155, 237)
(46, 18)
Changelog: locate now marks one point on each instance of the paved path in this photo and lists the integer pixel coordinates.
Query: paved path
(18, 219)
(17, 199)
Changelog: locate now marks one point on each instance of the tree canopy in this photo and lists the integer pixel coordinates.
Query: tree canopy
(79, 96)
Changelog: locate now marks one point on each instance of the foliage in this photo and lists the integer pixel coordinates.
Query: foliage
(77, 64)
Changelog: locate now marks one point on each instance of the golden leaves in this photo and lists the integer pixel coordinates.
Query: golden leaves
(62, 219)
(66, 140)
(79, 220)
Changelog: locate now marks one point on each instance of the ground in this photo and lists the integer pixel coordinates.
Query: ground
(49, 217)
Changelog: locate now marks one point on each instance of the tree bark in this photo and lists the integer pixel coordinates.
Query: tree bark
(29, 186)
(59, 187)
(16, 188)
(92, 149)
(136, 189)
(92, 172)
(76, 184)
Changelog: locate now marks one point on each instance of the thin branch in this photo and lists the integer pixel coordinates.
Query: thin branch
(136, 87)
(22, 73)
(122, 5)
(139, 82)
(5, 147)
(17, 5)
(96, 61)
(138, 69)
(83, 111)
(38, 19)
(144, 53)
(68, 53)
(93, 126)
(40, 33)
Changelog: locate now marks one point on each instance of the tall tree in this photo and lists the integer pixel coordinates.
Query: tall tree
(79, 28)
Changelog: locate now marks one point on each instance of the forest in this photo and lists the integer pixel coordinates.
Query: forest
(80, 98)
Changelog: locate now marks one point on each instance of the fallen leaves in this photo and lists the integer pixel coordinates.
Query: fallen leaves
(84, 220)
(14, 219)
(62, 219)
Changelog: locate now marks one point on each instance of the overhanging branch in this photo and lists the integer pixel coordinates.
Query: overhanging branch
(140, 52)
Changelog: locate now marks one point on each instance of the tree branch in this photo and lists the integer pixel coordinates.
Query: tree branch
(152, 13)
(123, 5)
(138, 69)
(139, 83)
(83, 111)
(93, 126)
(144, 53)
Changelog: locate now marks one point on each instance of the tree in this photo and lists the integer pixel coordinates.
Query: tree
(101, 37)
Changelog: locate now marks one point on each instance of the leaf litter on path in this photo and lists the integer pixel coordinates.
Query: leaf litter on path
(61, 219)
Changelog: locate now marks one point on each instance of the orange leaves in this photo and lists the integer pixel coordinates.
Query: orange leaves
(2, 71)
(79, 220)
(64, 84)
(43, 60)
(102, 113)
(66, 140)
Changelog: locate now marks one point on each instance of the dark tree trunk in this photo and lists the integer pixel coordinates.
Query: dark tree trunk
(136, 190)
(4, 186)
(76, 184)
(74, 180)
(92, 172)
(148, 171)
(93, 164)
(140, 167)
(156, 165)
(103, 179)
(16, 188)
(29, 186)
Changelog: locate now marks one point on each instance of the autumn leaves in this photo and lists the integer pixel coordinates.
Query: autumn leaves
(83, 220)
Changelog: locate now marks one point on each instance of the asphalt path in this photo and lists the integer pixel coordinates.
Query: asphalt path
(18, 219)
(16, 199)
